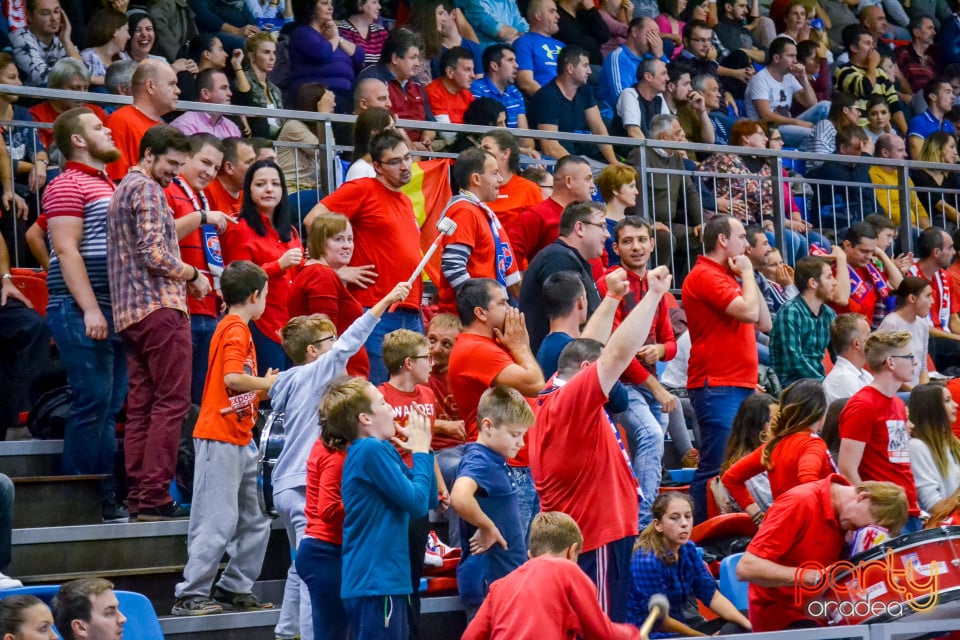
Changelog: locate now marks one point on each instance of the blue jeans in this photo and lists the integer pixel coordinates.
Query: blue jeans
(794, 135)
(97, 373)
(6, 522)
(399, 319)
(641, 422)
(797, 245)
(319, 563)
(527, 498)
(201, 330)
(716, 407)
(24, 354)
(270, 353)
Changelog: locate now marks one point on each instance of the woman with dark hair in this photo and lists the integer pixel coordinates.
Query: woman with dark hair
(107, 37)
(912, 313)
(934, 450)
(265, 236)
(143, 39)
(363, 28)
(369, 124)
(748, 431)
(482, 112)
(318, 53)
(208, 53)
(26, 617)
(843, 111)
(300, 164)
(794, 452)
(696, 10)
(670, 23)
(442, 26)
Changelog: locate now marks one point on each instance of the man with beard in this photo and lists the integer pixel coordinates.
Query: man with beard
(197, 228)
(81, 320)
(148, 287)
(378, 209)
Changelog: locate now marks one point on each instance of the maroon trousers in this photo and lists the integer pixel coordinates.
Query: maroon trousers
(159, 352)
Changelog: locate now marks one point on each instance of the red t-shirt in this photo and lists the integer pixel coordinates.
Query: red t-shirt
(221, 200)
(880, 422)
(661, 331)
(386, 235)
(241, 242)
(473, 230)
(577, 463)
(318, 289)
(446, 410)
(444, 103)
(127, 126)
(800, 526)
(324, 508)
(227, 415)
(707, 292)
(516, 195)
(191, 249)
(404, 403)
(565, 606)
(475, 362)
(797, 459)
(534, 229)
(44, 112)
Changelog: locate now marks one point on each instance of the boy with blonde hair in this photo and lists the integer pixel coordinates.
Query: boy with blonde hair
(566, 605)
(486, 498)
(321, 357)
(226, 512)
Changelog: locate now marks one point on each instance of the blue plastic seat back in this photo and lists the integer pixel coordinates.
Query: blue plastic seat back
(142, 622)
(734, 590)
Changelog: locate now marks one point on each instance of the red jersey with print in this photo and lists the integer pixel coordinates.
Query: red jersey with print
(191, 246)
(578, 464)
(385, 234)
(880, 423)
(707, 292)
(945, 303)
(863, 297)
(446, 409)
(227, 415)
(516, 195)
(406, 402)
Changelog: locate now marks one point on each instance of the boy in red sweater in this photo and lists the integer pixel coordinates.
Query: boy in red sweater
(566, 605)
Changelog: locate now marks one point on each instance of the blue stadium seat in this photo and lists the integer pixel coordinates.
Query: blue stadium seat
(43, 591)
(142, 622)
(734, 590)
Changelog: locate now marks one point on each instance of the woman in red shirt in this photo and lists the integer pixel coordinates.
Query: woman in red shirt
(795, 453)
(318, 288)
(265, 237)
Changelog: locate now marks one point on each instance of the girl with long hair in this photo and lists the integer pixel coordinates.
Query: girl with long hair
(26, 617)
(934, 450)
(265, 236)
(368, 125)
(912, 313)
(794, 452)
(666, 561)
(748, 431)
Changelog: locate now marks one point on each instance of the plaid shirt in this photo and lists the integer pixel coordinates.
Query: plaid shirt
(676, 580)
(798, 340)
(144, 257)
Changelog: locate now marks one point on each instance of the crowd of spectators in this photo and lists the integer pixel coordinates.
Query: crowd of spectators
(183, 237)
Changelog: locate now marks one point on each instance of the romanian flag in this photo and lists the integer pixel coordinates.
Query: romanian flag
(429, 190)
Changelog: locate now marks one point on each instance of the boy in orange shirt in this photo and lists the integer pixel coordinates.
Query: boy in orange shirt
(226, 513)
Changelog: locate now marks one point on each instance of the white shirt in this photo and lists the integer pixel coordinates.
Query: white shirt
(628, 108)
(920, 336)
(779, 93)
(360, 169)
(675, 374)
(844, 380)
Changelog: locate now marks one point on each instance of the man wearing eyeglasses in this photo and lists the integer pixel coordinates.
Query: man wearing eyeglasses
(874, 441)
(386, 237)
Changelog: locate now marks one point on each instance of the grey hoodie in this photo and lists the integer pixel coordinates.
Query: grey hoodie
(297, 393)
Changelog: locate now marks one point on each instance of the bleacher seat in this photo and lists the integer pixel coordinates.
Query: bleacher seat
(35, 289)
(45, 592)
(734, 590)
(142, 622)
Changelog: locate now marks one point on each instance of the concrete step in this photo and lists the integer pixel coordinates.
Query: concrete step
(55, 500)
(25, 458)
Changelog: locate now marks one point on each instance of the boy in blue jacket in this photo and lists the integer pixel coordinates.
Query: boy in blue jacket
(380, 495)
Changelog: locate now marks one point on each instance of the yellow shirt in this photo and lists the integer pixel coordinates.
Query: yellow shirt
(888, 196)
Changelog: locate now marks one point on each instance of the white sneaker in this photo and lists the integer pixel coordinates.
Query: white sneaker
(6, 582)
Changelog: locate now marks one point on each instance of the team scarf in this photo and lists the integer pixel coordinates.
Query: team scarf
(211, 239)
(858, 287)
(504, 254)
(943, 292)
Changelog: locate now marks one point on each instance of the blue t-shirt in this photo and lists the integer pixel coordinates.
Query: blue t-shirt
(498, 497)
(925, 124)
(470, 46)
(511, 98)
(538, 53)
(548, 355)
(550, 106)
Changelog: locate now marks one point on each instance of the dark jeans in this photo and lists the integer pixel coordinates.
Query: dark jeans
(399, 319)
(270, 353)
(378, 617)
(417, 533)
(6, 521)
(24, 353)
(716, 408)
(318, 565)
(157, 349)
(97, 373)
(201, 331)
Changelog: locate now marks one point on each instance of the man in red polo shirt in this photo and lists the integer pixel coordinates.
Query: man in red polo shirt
(874, 441)
(197, 227)
(449, 95)
(492, 349)
(722, 316)
(537, 227)
(155, 93)
(808, 525)
(479, 247)
(226, 192)
(579, 463)
(517, 194)
(936, 252)
(871, 289)
(386, 236)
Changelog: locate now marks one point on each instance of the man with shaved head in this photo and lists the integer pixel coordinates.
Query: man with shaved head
(155, 94)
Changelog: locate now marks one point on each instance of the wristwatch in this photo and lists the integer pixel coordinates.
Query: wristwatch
(8, 276)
